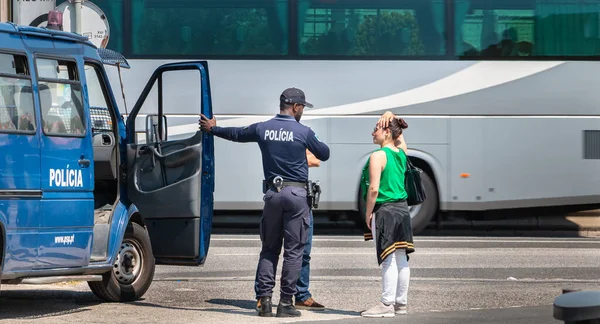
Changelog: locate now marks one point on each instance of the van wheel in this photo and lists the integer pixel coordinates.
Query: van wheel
(133, 270)
(421, 215)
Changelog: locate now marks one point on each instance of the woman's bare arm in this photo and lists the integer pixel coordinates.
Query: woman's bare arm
(376, 164)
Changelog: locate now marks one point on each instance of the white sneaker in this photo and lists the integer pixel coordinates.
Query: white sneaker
(400, 309)
(379, 310)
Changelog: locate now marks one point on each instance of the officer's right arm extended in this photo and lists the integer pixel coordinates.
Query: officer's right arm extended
(316, 147)
(235, 134)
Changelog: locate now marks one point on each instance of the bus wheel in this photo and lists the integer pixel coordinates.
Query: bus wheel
(421, 215)
(133, 270)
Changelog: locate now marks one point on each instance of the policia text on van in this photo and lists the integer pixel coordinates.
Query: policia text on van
(79, 196)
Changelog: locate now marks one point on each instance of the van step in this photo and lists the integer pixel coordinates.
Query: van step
(51, 280)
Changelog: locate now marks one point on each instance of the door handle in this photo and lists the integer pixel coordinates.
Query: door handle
(83, 162)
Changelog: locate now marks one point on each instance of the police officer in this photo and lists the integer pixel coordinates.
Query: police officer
(283, 142)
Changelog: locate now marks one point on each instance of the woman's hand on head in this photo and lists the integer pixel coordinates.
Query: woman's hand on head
(385, 119)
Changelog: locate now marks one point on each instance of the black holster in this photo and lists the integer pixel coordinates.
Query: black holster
(313, 194)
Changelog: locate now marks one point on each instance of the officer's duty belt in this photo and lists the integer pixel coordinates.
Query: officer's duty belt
(270, 184)
(294, 184)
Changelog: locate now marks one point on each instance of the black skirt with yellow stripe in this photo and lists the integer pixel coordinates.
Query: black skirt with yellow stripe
(393, 229)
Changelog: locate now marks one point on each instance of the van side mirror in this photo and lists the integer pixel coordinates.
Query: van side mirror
(153, 126)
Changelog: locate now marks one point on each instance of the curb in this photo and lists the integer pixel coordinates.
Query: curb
(579, 224)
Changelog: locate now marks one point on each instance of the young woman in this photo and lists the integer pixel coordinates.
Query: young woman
(388, 217)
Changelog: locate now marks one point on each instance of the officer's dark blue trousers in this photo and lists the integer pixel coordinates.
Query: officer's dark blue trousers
(302, 293)
(285, 221)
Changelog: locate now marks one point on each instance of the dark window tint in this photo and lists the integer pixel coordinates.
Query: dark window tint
(209, 27)
(17, 112)
(511, 28)
(61, 101)
(371, 27)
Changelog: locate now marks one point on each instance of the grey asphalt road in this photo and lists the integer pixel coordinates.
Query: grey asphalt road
(453, 280)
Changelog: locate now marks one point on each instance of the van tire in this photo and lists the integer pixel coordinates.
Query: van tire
(425, 211)
(124, 284)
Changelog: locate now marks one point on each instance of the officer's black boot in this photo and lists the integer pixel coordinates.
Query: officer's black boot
(287, 309)
(266, 307)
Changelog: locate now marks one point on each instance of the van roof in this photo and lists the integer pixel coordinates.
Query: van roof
(44, 32)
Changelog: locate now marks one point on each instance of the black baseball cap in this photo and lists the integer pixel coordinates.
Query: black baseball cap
(294, 96)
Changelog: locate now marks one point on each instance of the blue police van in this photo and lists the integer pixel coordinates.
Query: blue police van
(82, 196)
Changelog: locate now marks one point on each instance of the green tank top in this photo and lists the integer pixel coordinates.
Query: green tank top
(391, 184)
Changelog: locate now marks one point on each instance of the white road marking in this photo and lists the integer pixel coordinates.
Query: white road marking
(253, 254)
(512, 241)
(316, 239)
(378, 278)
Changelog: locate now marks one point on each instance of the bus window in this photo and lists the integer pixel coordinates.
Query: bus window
(201, 27)
(503, 28)
(60, 98)
(17, 113)
(371, 28)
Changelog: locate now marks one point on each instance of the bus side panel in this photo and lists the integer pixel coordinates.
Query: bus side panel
(322, 129)
(427, 139)
(238, 176)
(467, 174)
(537, 161)
(353, 143)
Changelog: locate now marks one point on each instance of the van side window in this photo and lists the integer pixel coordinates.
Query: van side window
(99, 114)
(61, 101)
(17, 112)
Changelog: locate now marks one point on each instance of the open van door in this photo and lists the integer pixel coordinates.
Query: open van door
(171, 182)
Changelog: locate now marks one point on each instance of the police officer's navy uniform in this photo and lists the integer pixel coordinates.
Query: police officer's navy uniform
(283, 142)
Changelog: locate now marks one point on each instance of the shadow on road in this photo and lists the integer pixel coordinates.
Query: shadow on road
(40, 304)
(48, 303)
(247, 307)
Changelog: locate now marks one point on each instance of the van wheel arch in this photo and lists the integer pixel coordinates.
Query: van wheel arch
(126, 282)
(138, 219)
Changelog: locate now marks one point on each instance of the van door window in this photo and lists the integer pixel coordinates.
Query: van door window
(17, 114)
(99, 113)
(60, 98)
(103, 137)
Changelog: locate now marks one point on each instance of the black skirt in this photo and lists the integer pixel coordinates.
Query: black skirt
(393, 229)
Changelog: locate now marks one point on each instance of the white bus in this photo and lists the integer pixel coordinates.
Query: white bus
(501, 96)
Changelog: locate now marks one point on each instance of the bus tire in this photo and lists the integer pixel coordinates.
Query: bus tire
(420, 215)
(133, 270)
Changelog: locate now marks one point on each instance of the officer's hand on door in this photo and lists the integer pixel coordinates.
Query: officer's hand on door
(206, 124)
